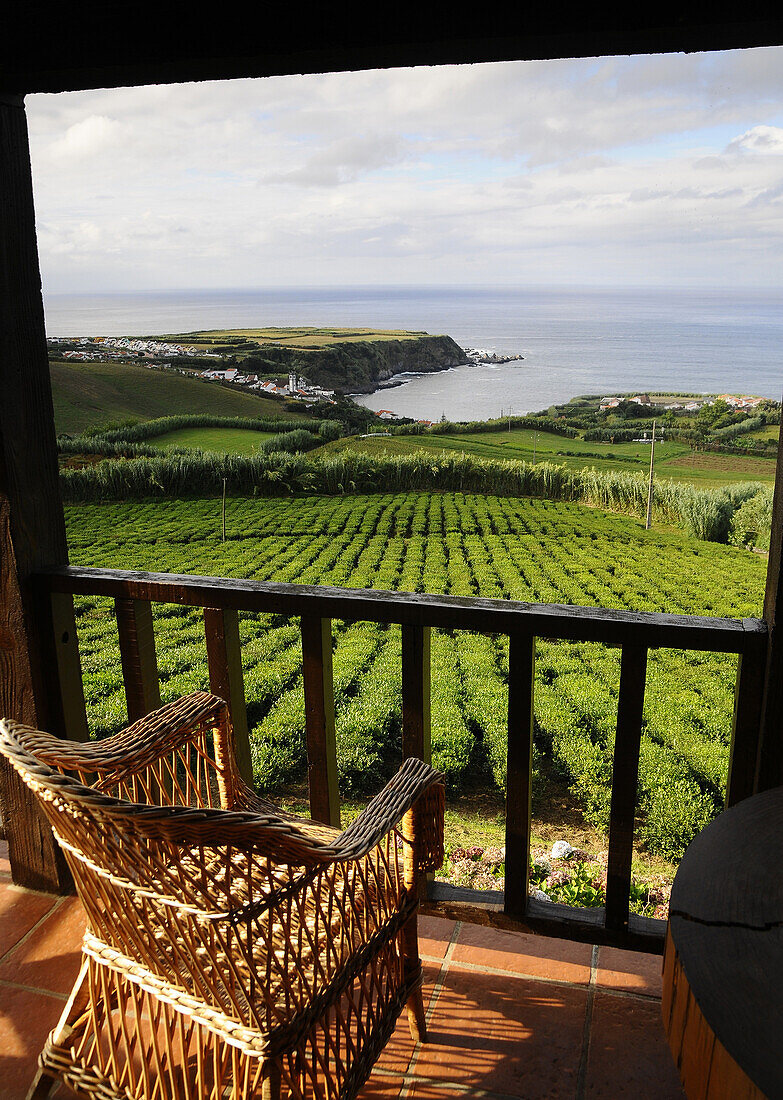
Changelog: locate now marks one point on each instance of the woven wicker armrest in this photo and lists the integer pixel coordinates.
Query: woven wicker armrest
(415, 797)
(136, 746)
(181, 754)
(416, 788)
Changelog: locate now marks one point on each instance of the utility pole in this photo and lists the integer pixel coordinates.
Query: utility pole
(648, 524)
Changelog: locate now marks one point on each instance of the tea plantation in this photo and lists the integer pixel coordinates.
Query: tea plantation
(464, 544)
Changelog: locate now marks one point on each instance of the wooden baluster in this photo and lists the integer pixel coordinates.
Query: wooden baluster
(625, 778)
(224, 657)
(69, 667)
(746, 726)
(319, 720)
(416, 730)
(416, 741)
(519, 772)
(137, 653)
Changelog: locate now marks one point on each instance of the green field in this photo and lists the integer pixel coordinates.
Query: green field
(90, 395)
(534, 550)
(237, 441)
(770, 431)
(672, 460)
(293, 337)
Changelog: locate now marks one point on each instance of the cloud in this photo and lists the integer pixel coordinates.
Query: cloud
(539, 167)
(760, 139)
(342, 161)
(91, 136)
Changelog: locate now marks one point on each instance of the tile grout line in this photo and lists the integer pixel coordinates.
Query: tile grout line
(439, 982)
(481, 969)
(6, 984)
(450, 1088)
(59, 902)
(581, 1076)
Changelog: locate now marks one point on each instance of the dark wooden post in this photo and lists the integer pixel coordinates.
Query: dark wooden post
(137, 653)
(769, 772)
(32, 528)
(746, 726)
(59, 622)
(416, 726)
(625, 781)
(319, 720)
(519, 771)
(224, 656)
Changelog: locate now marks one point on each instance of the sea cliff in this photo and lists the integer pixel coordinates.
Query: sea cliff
(359, 366)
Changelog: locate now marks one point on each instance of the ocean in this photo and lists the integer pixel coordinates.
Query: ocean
(574, 340)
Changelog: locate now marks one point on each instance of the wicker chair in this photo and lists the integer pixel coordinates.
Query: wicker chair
(232, 950)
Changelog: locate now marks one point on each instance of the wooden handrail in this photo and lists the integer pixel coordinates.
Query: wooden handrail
(490, 616)
(635, 632)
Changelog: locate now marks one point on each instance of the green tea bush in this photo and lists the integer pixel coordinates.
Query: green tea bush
(281, 468)
(675, 813)
(751, 523)
(535, 550)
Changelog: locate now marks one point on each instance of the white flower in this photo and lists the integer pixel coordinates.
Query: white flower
(561, 849)
(540, 895)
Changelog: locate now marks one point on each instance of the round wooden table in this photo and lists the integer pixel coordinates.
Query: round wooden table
(723, 964)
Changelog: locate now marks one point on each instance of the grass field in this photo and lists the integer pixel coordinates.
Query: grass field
(90, 395)
(672, 460)
(228, 440)
(467, 545)
(770, 431)
(296, 337)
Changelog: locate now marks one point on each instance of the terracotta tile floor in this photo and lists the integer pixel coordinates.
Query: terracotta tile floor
(509, 1015)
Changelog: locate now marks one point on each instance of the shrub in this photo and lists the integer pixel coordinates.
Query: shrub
(751, 523)
(331, 429)
(676, 812)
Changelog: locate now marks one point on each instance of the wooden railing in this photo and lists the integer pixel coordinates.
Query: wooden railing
(634, 632)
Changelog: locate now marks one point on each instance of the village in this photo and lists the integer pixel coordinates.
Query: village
(735, 401)
(120, 348)
(297, 388)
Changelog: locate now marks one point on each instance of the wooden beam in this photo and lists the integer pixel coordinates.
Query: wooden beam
(137, 653)
(319, 720)
(73, 49)
(224, 656)
(519, 772)
(32, 528)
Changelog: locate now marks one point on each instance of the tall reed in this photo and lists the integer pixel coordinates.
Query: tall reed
(705, 513)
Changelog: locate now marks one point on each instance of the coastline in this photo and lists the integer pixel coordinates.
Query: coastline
(394, 381)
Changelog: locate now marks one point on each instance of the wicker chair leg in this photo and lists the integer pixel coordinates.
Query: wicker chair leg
(416, 1019)
(270, 1088)
(43, 1081)
(415, 1004)
(42, 1085)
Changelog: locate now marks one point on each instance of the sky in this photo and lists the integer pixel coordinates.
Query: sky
(663, 170)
